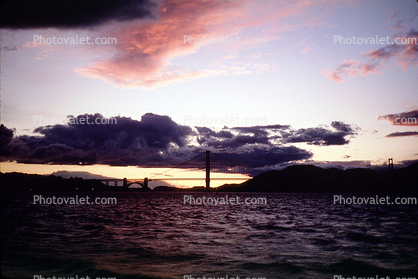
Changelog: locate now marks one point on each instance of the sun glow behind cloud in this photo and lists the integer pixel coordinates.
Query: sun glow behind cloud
(130, 172)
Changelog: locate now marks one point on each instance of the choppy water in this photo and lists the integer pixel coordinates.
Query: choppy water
(154, 235)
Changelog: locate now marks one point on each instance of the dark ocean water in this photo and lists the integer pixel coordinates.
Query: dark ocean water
(154, 235)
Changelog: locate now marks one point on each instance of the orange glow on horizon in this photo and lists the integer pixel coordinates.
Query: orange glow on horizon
(129, 172)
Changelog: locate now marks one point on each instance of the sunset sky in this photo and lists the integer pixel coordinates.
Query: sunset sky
(295, 84)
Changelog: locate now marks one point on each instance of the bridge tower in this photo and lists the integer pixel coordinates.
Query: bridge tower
(207, 170)
(390, 164)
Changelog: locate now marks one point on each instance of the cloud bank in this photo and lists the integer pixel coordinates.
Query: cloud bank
(158, 141)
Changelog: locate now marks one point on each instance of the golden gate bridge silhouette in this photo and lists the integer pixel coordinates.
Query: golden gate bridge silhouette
(207, 161)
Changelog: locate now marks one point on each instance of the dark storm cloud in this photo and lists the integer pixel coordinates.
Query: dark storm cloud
(402, 134)
(206, 133)
(323, 136)
(127, 142)
(233, 141)
(225, 139)
(10, 147)
(275, 134)
(263, 157)
(158, 141)
(261, 130)
(26, 14)
(6, 136)
(342, 127)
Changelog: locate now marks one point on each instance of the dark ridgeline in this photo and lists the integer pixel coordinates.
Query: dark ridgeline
(311, 179)
(293, 179)
(34, 182)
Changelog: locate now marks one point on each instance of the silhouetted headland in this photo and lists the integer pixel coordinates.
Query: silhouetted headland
(293, 179)
(312, 179)
(34, 182)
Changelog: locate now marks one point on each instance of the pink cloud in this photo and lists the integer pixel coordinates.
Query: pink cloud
(350, 68)
(145, 49)
(305, 50)
(142, 58)
(407, 118)
(404, 51)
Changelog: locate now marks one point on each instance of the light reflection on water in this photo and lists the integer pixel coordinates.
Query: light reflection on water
(154, 235)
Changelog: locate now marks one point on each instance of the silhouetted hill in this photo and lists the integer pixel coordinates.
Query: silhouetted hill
(166, 189)
(34, 182)
(311, 179)
(81, 174)
(404, 178)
